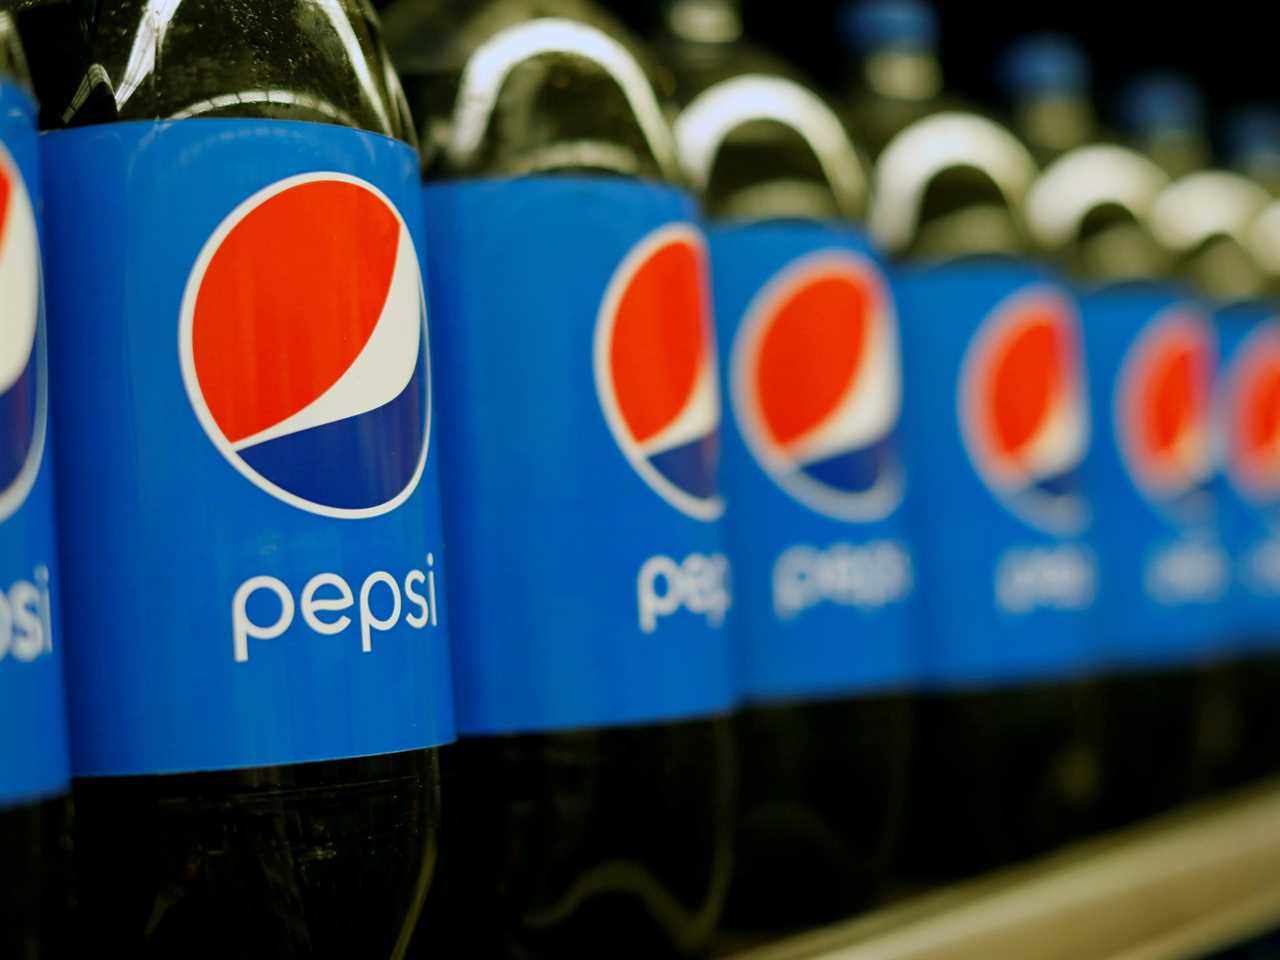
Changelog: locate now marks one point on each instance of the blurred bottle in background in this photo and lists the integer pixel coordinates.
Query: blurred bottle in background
(1162, 116)
(894, 76)
(996, 420)
(593, 786)
(257, 663)
(1090, 211)
(812, 473)
(1204, 219)
(1047, 81)
(1252, 144)
(33, 743)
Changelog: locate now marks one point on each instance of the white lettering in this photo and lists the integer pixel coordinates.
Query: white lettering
(1187, 572)
(26, 618)
(369, 622)
(699, 584)
(868, 576)
(242, 628)
(1054, 578)
(312, 605)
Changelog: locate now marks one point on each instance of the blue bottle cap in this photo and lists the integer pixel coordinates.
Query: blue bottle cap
(870, 25)
(1045, 64)
(1158, 101)
(1252, 131)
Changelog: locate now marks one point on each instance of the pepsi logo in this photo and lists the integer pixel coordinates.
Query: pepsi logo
(816, 385)
(1023, 408)
(23, 382)
(1163, 407)
(1252, 409)
(303, 345)
(656, 372)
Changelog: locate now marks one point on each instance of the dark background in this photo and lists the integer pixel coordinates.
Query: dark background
(1230, 47)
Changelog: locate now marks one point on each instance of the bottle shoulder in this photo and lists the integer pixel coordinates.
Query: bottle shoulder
(1091, 211)
(314, 60)
(518, 87)
(13, 62)
(952, 183)
(757, 140)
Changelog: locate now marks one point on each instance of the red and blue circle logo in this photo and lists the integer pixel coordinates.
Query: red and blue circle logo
(1163, 409)
(816, 385)
(656, 372)
(1024, 410)
(303, 344)
(1252, 410)
(23, 378)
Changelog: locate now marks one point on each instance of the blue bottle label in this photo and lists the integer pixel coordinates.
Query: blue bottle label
(997, 424)
(247, 482)
(812, 471)
(33, 735)
(588, 578)
(1248, 407)
(1152, 355)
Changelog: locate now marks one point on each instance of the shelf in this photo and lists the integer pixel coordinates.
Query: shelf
(1175, 888)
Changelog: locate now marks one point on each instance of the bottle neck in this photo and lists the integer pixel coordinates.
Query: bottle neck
(1176, 152)
(1265, 171)
(704, 21)
(1055, 123)
(903, 73)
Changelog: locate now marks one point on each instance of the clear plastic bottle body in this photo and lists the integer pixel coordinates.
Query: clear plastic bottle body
(613, 838)
(322, 859)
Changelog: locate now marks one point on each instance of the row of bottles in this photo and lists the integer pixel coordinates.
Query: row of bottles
(825, 499)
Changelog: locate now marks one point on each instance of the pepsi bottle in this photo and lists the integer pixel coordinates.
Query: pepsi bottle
(1253, 141)
(812, 474)
(589, 585)
(1090, 212)
(996, 427)
(257, 661)
(1206, 219)
(33, 736)
(1163, 116)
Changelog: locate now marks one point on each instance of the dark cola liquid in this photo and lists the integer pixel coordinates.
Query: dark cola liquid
(611, 841)
(1150, 721)
(34, 867)
(1257, 687)
(823, 808)
(1003, 775)
(1186, 733)
(328, 859)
